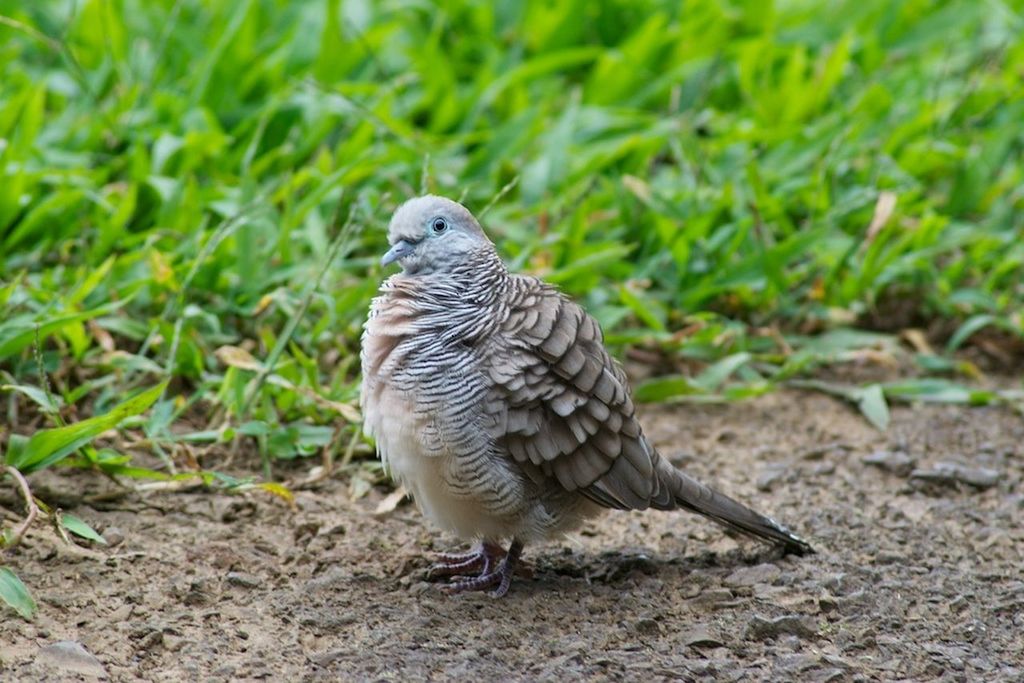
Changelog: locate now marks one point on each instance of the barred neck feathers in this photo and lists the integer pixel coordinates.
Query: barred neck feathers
(456, 304)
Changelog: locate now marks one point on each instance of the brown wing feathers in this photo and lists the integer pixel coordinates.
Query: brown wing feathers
(567, 411)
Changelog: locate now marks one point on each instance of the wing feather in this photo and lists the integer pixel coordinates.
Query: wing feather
(568, 411)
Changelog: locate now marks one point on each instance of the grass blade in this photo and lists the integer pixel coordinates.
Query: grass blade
(15, 594)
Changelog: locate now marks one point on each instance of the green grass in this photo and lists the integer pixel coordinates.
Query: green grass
(721, 182)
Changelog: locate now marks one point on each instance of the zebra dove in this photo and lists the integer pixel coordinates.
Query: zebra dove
(494, 402)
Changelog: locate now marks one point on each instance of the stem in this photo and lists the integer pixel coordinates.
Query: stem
(30, 503)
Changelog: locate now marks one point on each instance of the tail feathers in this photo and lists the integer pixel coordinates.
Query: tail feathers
(688, 493)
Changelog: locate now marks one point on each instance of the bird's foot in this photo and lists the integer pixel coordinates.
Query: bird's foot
(482, 559)
(499, 579)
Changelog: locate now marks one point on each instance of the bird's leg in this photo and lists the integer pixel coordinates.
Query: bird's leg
(481, 559)
(500, 578)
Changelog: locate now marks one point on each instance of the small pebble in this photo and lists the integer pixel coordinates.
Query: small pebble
(242, 580)
(749, 576)
(771, 475)
(648, 627)
(897, 462)
(760, 628)
(114, 536)
(701, 636)
(952, 473)
(71, 657)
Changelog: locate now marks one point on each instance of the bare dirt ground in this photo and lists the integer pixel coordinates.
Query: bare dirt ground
(917, 577)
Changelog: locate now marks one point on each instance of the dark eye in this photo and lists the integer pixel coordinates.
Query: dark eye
(439, 225)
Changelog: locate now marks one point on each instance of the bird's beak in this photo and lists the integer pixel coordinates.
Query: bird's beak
(398, 250)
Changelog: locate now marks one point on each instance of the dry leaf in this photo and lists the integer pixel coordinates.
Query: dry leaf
(101, 336)
(391, 502)
(883, 211)
(237, 357)
(638, 187)
(917, 341)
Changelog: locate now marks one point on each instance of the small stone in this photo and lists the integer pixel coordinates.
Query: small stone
(648, 627)
(794, 663)
(71, 657)
(333, 579)
(896, 462)
(701, 636)
(827, 603)
(953, 473)
(114, 536)
(824, 468)
(819, 451)
(750, 576)
(760, 628)
(242, 580)
(151, 640)
(328, 657)
(771, 475)
(714, 598)
(830, 675)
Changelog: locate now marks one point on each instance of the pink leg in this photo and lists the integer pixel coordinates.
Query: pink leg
(480, 560)
(500, 578)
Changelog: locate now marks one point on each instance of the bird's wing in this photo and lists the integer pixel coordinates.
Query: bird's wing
(561, 406)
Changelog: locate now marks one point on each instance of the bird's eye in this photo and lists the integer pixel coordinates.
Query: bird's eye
(439, 225)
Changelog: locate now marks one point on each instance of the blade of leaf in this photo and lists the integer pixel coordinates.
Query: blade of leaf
(78, 526)
(969, 327)
(16, 335)
(715, 374)
(664, 388)
(871, 402)
(15, 594)
(49, 403)
(52, 445)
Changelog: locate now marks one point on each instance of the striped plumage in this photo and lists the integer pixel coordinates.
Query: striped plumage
(493, 401)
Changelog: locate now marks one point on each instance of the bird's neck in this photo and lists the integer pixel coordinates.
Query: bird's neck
(465, 297)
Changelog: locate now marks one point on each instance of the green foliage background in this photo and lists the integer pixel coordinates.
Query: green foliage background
(175, 175)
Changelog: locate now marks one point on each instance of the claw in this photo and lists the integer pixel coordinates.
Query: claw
(481, 559)
(500, 578)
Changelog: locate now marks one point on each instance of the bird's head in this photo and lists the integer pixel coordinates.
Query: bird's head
(431, 234)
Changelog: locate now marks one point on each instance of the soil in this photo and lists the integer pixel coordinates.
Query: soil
(918, 574)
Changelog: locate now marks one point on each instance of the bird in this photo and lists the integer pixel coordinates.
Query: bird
(492, 399)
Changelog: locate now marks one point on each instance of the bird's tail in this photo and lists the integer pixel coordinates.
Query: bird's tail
(685, 492)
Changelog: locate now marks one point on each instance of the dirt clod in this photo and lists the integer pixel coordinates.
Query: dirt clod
(749, 576)
(242, 580)
(896, 462)
(954, 473)
(761, 628)
(701, 636)
(70, 657)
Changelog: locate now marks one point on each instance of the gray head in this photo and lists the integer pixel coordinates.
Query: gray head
(431, 234)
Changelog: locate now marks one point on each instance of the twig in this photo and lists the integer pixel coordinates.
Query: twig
(30, 503)
(350, 449)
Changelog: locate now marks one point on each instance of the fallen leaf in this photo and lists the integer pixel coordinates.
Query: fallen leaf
(237, 357)
(388, 505)
(883, 211)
